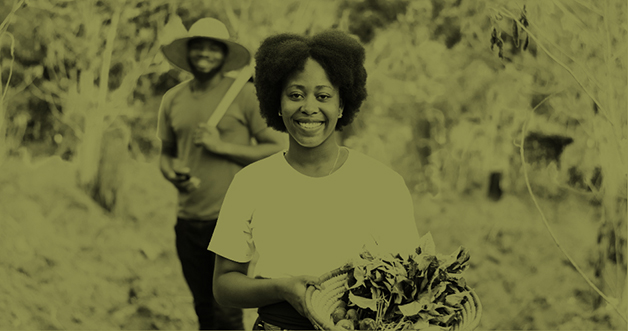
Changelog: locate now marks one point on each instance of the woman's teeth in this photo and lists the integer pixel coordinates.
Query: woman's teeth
(309, 125)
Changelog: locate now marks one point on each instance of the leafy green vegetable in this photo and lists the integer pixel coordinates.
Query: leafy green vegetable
(363, 302)
(422, 291)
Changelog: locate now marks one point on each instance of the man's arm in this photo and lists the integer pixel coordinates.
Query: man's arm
(168, 153)
(182, 182)
(269, 142)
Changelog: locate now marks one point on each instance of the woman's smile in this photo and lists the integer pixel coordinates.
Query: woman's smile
(310, 106)
(309, 125)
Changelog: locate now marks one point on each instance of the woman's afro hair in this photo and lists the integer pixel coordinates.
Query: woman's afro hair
(280, 56)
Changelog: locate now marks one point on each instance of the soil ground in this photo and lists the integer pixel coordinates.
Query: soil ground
(67, 264)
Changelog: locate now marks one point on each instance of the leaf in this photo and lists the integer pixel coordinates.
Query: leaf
(425, 261)
(358, 274)
(439, 289)
(362, 302)
(366, 255)
(445, 261)
(411, 308)
(445, 319)
(434, 328)
(455, 299)
(457, 279)
(421, 325)
(444, 309)
(376, 293)
(426, 245)
(404, 289)
(461, 263)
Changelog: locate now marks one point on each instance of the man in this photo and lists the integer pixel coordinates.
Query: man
(200, 160)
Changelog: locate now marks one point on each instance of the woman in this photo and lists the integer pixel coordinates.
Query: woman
(312, 208)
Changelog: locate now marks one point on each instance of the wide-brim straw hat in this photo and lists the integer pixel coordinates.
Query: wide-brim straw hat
(177, 51)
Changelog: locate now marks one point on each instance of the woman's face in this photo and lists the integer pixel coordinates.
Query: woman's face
(310, 106)
(205, 55)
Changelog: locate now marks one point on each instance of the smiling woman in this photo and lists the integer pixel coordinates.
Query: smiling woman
(312, 208)
(310, 106)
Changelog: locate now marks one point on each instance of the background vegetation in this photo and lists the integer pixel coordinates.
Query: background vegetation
(506, 118)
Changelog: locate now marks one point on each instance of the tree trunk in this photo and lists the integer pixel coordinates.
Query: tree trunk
(90, 148)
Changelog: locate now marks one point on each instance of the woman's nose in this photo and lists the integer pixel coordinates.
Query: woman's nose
(309, 106)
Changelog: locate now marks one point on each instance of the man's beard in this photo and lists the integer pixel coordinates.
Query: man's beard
(205, 76)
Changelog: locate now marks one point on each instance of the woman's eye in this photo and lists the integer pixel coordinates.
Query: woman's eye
(295, 95)
(324, 96)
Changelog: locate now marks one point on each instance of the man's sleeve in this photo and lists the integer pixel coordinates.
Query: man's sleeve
(164, 127)
(233, 236)
(252, 113)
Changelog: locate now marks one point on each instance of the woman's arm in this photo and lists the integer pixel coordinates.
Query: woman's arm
(233, 288)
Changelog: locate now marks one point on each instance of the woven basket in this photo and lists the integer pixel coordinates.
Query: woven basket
(321, 303)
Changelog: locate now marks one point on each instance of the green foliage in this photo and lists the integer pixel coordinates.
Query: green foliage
(83, 59)
(365, 17)
(582, 71)
(7, 140)
(419, 290)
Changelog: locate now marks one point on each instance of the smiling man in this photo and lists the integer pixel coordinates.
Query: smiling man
(201, 161)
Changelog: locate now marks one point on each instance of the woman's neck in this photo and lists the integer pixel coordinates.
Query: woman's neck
(316, 161)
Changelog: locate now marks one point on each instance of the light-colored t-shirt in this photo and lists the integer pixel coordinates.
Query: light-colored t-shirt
(180, 114)
(303, 225)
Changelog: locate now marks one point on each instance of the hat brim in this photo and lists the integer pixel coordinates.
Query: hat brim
(177, 54)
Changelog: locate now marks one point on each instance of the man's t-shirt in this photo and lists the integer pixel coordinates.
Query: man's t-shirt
(303, 225)
(180, 114)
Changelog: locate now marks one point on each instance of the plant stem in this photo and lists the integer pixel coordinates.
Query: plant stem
(6, 89)
(549, 229)
(13, 10)
(601, 108)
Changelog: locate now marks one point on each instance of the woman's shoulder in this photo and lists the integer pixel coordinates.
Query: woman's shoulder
(365, 163)
(263, 167)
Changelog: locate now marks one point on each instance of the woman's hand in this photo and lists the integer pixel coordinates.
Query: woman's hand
(293, 290)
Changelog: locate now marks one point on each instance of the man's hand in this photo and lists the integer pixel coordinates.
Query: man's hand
(208, 137)
(293, 291)
(182, 180)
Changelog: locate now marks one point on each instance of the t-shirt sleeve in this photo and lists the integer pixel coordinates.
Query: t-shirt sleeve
(400, 233)
(252, 112)
(232, 237)
(164, 126)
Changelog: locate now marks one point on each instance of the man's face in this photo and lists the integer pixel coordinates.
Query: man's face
(205, 55)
